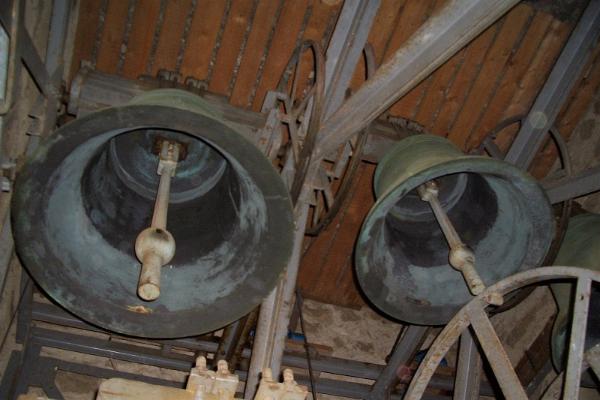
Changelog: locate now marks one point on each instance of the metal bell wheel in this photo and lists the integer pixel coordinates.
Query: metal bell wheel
(474, 316)
(580, 247)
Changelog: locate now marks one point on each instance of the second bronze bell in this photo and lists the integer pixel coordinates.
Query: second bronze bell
(402, 256)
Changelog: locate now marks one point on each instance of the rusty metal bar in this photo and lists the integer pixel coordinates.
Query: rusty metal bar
(435, 42)
(577, 338)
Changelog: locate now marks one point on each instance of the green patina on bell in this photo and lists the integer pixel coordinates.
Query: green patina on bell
(580, 248)
(90, 188)
(499, 211)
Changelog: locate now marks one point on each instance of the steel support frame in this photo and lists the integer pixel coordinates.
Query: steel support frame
(30, 368)
(404, 352)
(581, 184)
(24, 53)
(46, 106)
(440, 37)
(548, 103)
(562, 78)
(345, 49)
(436, 41)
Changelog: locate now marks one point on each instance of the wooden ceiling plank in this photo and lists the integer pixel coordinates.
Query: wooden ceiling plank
(322, 271)
(515, 24)
(519, 64)
(386, 21)
(456, 93)
(126, 35)
(407, 106)
(411, 18)
(202, 38)
(515, 59)
(284, 42)
(347, 226)
(580, 95)
(112, 36)
(170, 35)
(433, 99)
(140, 38)
(358, 209)
(87, 26)
(232, 45)
(258, 43)
(314, 261)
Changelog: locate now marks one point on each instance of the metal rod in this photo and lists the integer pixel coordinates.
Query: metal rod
(155, 246)
(161, 206)
(461, 257)
(440, 37)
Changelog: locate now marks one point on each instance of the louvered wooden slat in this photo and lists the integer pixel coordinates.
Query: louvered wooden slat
(139, 45)
(510, 36)
(264, 24)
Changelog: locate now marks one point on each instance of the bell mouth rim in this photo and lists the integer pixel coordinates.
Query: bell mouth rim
(542, 218)
(53, 151)
(462, 164)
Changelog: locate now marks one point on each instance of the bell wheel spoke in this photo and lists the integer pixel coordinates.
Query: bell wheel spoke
(441, 344)
(495, 354)
(577, 338)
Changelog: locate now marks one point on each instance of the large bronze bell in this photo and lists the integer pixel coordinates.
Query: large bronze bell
(402, 256)
(90, 188)
(580, 248)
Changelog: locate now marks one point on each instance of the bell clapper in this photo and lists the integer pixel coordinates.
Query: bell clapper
(155, 246)
(461, 257)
